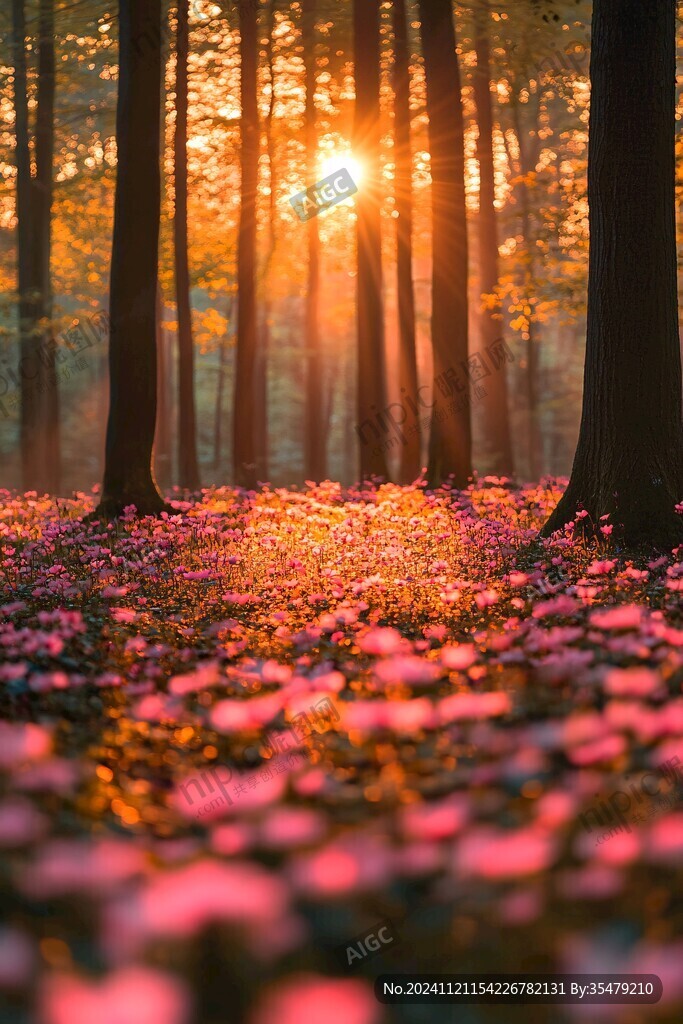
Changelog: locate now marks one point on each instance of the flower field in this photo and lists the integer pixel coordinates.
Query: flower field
(237, 738)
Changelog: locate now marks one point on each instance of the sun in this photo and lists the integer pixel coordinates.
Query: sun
(339, 161)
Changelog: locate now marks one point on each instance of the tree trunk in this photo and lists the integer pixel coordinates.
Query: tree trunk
(369, 312)
(409, 467)
(188, 466)
(495, 404)
(629, 459)
(261, 364)
(163, 435)
(128, 478)
(314, 436)
(29, 363)
(218, 414)
(244, 433)
(529, 151)
(450, 443)
(50, 446)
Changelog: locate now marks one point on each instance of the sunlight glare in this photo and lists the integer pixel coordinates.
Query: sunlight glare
(338, 161)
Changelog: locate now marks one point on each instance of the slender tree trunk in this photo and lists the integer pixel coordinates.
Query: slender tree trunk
(450, 443)
(162, 440)
(188, 467)
(261, 366)
(244, 431)
(50, 446)
(218, 415)
(128, 478)
(29, 363)
(315, 437)
(528, 158)
(409, 467)
(370, 313)
(629, 459)
(347, 368)
(495, 405)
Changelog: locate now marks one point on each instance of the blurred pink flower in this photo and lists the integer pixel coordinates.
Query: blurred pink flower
(632, 682)
(312, 999)
(132, 995)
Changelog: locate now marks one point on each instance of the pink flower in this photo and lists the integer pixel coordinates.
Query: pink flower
(632, 682)
(458, 656)
(561, 605)
(206, 674)
(19, 743)
(406, 669)
(473, 705)
(665, 840)
(493, 854)
(287, 827)
(312, 999)
(607, 749)
(17, 958)
(132, 995)
(20, 822)
(436, 820)
(77, 865)
(381, 641)
(625, 616)
(600, 568)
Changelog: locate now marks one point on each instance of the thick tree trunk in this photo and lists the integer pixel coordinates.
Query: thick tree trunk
(410, 461)
(369, 312)
(315, 437)
(629, 459)
(450, 443)
(495, 404)
(128, 478)
(188, 466)
(244, 430)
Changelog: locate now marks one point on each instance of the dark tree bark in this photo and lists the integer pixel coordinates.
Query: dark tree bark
(128, 478)
(529, 152)
(29, 363)
(450, 443)
(495, 404)
(315, 437)
(369, 312)
(244, 432)
(629, 459)
(188, 465)
(410, 461)
(261, 365)
(163, 460)
(50, 444)
(220, 384)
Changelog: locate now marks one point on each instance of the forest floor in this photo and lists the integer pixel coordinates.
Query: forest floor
(237, 740)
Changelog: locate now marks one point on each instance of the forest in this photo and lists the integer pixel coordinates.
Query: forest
(341, 511)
